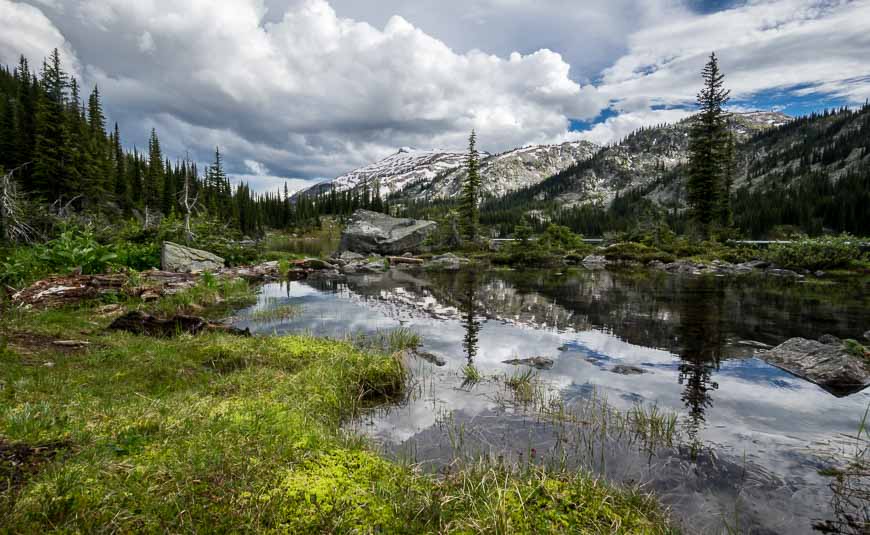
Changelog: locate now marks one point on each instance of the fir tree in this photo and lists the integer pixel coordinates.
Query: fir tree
(470, 201)
(50, 132)
(708, 150)
(8, 132)
(153, 179)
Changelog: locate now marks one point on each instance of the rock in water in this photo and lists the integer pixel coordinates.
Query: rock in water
(541, 363)
(624, 369)
(372, 232)
(827, 365)
(182, 259)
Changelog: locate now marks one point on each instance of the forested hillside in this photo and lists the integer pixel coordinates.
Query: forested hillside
(812, 173)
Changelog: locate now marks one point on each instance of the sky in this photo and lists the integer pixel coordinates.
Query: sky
(301, 91)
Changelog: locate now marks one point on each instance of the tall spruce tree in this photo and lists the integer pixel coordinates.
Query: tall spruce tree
(49, 168)
(470, 200)
(153, 179)
(708, 150)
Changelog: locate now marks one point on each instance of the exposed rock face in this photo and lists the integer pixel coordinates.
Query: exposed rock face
(182, 259)
(827, 365)
(372, 232)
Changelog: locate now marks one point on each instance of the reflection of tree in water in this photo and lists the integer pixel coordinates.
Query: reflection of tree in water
(469, 285)
(701, 339)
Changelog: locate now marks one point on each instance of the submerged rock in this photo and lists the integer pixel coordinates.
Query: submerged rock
(182, 259)
(625, 369)
(431, 358)
(827, 365)
(541, 363)
(373, 232)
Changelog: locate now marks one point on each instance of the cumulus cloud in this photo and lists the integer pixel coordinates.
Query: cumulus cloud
(309, 89)
(309, 92)
(27, 31)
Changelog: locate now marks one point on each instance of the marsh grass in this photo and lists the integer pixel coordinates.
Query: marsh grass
(225, 434)
(275, 312)
(471, 375)
(209, 297)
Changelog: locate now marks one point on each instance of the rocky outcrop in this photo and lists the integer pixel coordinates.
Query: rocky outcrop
(183, 259)
(447, 262)
(828, 365)
(373, 232)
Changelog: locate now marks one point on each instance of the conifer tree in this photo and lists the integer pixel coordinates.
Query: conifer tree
(153, 179)
(121, 186)
(470, 200)
(8, 133)
(49, 171)
(708, 150)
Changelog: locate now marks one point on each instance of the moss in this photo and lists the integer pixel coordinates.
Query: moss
(236, 434)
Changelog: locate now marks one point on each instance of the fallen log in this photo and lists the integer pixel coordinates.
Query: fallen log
(405, 260)
(140, 323)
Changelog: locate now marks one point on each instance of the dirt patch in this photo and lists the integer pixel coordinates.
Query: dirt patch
(19, 462)
(26, 343)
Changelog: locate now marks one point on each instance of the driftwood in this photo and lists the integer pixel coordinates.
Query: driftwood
(141, 323)
(152, 284)
(405, 260)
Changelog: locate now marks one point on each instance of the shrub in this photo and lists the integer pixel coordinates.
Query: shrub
(815, 253)
(635, 252)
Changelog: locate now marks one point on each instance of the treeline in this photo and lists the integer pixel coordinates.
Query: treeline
(55, 142)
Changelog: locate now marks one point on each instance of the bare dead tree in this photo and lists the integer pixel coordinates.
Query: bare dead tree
(12, 220)
(189, 206)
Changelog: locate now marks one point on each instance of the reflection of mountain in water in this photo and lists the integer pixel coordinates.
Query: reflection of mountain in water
(651, 310)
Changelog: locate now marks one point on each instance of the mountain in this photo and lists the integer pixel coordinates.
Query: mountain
(644, 156)
(436, 174)
(812, 173)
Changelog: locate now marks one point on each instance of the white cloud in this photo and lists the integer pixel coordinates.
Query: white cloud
(27, 31)
(762, 45)
(146, 42)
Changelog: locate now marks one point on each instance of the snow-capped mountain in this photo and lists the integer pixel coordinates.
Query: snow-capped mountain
(429, 174)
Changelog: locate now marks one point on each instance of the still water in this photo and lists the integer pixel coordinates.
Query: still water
(752, 437)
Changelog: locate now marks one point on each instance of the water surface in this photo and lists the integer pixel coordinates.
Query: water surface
(764, 433)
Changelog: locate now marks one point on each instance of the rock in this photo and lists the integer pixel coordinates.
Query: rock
(754, 264)
(140, 323)
(448, 262)
(754, 343)
(541, 363)
(371, 267)
(827, 365)
(625, 369)
(350, 256)
(830, 339)
(594, 260)
(372, 232)
(819, 274)
(407, 260)
(181, 259)
(313, 264)
(431, 358)
(867, 335)
(787, 273)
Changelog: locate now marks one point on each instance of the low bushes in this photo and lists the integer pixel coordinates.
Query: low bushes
(815, 253)
(636, 252)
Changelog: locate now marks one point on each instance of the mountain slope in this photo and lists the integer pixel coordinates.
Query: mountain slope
(435, 174)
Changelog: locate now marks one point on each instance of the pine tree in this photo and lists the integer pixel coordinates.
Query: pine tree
(8, 133)
(121, 186)
(470, 200)
(708, 150)
(153, 179)
(50, 132)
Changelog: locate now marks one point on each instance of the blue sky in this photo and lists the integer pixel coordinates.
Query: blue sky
(305, 90)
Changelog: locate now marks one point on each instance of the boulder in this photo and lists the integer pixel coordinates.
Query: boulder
(541, 363)
(594, 260)
(827, 365)
(372, 232)
(181, 259)
(625, 369)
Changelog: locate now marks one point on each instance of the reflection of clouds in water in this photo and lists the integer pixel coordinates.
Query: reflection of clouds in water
(757, 410)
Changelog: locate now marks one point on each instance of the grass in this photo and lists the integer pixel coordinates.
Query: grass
(279, 312)
(229, 434)
(471, 375)
(523, 385)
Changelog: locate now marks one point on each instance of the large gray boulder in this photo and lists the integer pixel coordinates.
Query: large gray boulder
(182, 259)
(828, 365)
(373, 232)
